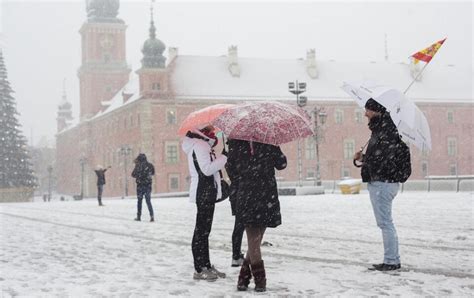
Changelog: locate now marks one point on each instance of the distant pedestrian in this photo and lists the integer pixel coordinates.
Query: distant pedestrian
(100, 172)
(143, 173)
(385, 163)
(233, 167)
(204, 190)
(257, 205)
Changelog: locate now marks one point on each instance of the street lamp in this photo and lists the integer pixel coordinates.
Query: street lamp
(50, 172)
(125, 152)
(82, 162)
(319, 117)
(298, 88)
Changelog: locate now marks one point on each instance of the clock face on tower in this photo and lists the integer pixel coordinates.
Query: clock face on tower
(106, 42)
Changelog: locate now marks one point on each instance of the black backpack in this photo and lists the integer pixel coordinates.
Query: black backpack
(402, 160)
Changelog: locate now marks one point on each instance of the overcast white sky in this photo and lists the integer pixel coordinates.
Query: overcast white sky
(42, 44)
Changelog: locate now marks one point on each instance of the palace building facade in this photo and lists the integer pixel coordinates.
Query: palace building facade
(124, 112)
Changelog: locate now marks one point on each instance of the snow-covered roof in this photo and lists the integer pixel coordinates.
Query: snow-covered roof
(132, 87)
(196, 77)
(207, 77)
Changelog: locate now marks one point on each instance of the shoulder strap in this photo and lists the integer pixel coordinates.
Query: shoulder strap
(198, 169)
(196, 164)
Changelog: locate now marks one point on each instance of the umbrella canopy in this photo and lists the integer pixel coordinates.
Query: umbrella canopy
(268, 122)
(409, 119)
(202, 117)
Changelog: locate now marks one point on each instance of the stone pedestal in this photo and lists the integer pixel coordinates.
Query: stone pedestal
(20, 194)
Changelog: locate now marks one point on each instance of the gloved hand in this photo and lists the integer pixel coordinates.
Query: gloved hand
(224, 152)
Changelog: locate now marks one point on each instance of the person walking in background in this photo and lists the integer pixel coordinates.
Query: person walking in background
(143, 173)
(233, 167)
(385, 163)
(100, 172)
(204, 190)
(257, 205)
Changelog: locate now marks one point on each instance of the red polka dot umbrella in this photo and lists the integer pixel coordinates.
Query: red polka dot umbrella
(268, 122)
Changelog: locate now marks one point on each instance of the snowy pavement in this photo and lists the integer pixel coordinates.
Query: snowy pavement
(323, 248)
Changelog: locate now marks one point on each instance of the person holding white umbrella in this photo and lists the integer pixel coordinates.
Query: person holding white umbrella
(385, 164)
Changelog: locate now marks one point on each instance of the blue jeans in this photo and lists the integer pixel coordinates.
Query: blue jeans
(144, 191)
(381, 197)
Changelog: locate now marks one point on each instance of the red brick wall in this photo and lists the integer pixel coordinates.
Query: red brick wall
(102, 138)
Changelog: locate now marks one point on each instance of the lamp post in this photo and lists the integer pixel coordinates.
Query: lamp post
(319, 117)
(82, 162)
(297, 88)
(125, 152)
(50, 172)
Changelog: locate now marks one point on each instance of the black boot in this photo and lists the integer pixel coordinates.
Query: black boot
(385, 267)
(258, 272)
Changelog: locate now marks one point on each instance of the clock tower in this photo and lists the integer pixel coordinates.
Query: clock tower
(104, 69)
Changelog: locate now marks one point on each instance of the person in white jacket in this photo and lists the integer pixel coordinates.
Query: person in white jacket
(204, 190)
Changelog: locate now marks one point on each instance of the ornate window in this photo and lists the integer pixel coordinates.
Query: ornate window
(453, 169)
(171, 116)
(349, 148)
(452, 146)
(173, 182)
(450, 116)
(171, 152)
(338, 116)
(310, 148)
(358, 116)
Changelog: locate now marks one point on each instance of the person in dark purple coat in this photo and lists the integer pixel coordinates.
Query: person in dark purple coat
(257, 205)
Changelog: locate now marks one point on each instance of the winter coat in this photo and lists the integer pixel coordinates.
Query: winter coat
(383, 152)
(233, 167)
(205, 186)
(256, 200)
(143, 171)
(100, 176)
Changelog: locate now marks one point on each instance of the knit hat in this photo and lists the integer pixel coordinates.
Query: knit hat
(372, 105)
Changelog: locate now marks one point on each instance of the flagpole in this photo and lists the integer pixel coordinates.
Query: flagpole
(416, 78)
(425, 55)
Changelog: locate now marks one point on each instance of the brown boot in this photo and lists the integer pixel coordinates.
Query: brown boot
(258, 272)
(244, 276)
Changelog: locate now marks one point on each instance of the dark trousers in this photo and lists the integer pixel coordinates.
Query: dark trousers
(237, 235)
(144, 191)
(100, 189)
(200, 243)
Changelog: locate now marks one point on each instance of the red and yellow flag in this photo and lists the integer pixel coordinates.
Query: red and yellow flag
(427, 54)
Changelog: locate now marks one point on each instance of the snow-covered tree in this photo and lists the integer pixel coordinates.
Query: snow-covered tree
(15, 167)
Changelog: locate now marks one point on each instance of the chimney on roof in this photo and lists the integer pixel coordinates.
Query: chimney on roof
(233, 61)
(172, 53)
(311, 67)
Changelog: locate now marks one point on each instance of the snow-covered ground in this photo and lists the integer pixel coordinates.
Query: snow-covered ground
(324, 247)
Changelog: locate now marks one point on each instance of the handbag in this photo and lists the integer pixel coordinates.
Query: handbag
(225, 189)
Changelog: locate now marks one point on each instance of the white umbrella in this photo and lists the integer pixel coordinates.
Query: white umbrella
(409, 119)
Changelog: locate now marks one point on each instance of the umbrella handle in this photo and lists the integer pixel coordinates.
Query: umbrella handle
(365, 145)
(223, 141)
